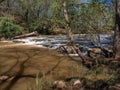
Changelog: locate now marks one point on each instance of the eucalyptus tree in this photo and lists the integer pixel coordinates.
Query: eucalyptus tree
(41, 13)
(54, 14)
(95, 17)
(67, 22)
(117, 30)
(30, 10)
(66, 13)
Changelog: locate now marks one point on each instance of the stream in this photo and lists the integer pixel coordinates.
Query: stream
(82, 40)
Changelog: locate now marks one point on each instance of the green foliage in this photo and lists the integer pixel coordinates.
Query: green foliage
(96, 17)
(43, 27)
(111, 81)
(8, 27)
(93, 17)
(38, 13)
(46, 26)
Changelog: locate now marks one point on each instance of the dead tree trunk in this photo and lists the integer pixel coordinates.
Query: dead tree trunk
(69, 32)
(117, 30)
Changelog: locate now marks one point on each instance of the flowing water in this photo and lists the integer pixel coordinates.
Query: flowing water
(54, 42)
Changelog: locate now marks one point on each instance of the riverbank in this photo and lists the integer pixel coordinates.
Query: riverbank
(22, 63)
(37, 60)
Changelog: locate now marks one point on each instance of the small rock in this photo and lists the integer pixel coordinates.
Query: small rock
(77, 82)
(77, 85)
(3, 77)
(59, 85)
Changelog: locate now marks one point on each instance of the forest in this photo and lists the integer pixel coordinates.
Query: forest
(60, 44)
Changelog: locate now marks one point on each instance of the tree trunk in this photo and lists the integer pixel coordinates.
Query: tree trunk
(117, 30)
(69, 32)
(27, 18)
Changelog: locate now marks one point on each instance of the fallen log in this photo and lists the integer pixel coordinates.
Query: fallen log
(75, 50)
(85, 60)
(105, 52)
(26, 35)
(88, 61)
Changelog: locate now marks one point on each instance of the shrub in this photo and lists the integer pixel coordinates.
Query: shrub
(8, 27)
(46, 26)
(42, 27)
